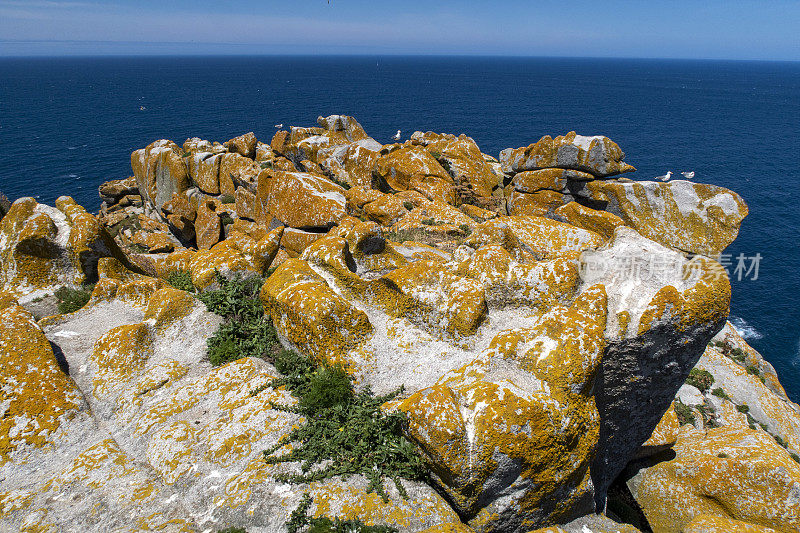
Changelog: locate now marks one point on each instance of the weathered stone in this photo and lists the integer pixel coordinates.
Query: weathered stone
(207, 226)
(386, 211)
(301, 200)
(160, 170)
(235, 170)
(244, 145)
(692, 217)
(598, 155)
(112, 191)
(414, 168)
(600, 222)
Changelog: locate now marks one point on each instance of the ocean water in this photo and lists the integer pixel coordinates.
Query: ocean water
(68, 124)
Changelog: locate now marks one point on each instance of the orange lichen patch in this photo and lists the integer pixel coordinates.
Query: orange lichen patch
(170, 452)
(538, 284)
(704, 523)
(476, 213)
(258, 254)
(666, 432)
(566, 346)
(160, 170)
(112, 268)
(545, 238)
(37, 395)
(120, 354)
(301, 200)
(597, 155)
(7, 300)
(204, 170)
(539, 203)
(464, 159)
(358, 196)
(154, 242)
(351, 501)
(14, 500)
(310, 314)
(235, 168)
(138, 293)
(414, 168)
(456, 527)
(426, 292)
(729, 472)
(600, 222)
(167, 306)
(294, 241)
(434, 216)
(693, 217)
(386, 210)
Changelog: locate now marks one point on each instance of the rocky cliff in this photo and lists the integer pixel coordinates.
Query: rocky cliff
(551, 336)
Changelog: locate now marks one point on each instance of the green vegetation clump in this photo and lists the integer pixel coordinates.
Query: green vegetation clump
(266, 164)
(323, 524)
(431, 222)
(744, 408)
(753, 370)
(702, 379)
(466, 230)
(780, 440)
(226, 219)
(181, 280)
(70, 300)
(408, 205)
(722, 455)
(685, 414)
(738, 355)
(232, 530)
(227, 199)
(795, 457)
(246, 332)
(346, 429)
(720, 393)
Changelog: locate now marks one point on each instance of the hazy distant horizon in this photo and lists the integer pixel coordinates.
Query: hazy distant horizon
(89, 49)
(680, 29)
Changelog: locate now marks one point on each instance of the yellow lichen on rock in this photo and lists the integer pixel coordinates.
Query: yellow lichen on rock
(704, 523)
(37, 395)
(414, 168)
(729, 472)
(120, 355)
(309, 314)
(600, 222)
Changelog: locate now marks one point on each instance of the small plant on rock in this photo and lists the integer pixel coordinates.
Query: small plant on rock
(246, 332)
(702, 379)
(70, 300)
(346, 430)
(685, 414)
(720, 393)
(181, 280)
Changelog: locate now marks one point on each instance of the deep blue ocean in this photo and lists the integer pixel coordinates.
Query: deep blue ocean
(68, 124)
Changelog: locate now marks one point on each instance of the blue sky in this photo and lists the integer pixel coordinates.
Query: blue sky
(723, 29)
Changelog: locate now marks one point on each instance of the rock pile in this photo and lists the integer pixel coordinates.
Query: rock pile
(540, 312)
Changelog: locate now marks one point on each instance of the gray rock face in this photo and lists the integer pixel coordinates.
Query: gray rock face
(652, 340)
(5, 205)
(153, 437)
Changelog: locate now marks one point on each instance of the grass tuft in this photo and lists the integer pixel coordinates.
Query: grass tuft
(702, 379)
(181, 280)
(70, 300)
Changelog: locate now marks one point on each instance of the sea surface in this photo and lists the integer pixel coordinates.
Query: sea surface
(69, 124)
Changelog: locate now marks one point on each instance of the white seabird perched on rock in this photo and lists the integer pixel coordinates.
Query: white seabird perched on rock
(665, 177)
(396, 136)
(688, 175)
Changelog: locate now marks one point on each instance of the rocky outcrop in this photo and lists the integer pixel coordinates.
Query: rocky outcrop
(541, 315)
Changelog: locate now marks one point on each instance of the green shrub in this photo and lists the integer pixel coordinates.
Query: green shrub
(722, 455)
(227, 199)
(299, 518)
(780, 440)
(70, 300)
(232, 530)
(737, 354)
(246, 332)
(795, 457)
(685, 414)
(226, 219)
(702, 379)
(718, 392)
(342, 426)
(744, 408)
(466, 230)
(266, 164)
(753, 370)
(181, 280)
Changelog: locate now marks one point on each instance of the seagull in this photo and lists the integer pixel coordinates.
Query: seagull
(665, 177)
(279, 125)
(396, 136)
(142, 108)
(688, 175)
